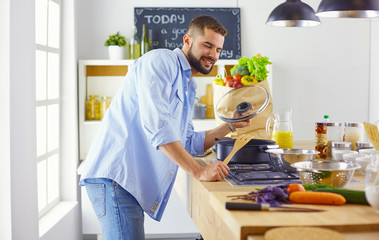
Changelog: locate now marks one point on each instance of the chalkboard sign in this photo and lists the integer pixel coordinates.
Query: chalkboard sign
(170, 24)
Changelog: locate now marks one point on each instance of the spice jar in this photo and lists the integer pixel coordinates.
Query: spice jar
(93, 108)
(363, 145)
(353, 133)
(335, 133)
(321, 139)
(104, 104)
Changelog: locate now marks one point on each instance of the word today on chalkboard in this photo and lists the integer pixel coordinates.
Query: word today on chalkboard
(169, 25)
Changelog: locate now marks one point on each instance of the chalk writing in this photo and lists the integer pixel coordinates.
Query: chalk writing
(165, 19)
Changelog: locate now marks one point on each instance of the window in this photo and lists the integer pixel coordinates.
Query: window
(47, 17)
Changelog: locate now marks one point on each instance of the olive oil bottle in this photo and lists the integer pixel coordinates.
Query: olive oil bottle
(144, 41)
(135, 46)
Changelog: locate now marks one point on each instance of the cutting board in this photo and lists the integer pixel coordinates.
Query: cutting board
(345, 218)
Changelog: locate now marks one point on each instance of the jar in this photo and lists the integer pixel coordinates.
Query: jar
(339, 146)
(363, 145)
(104, 105)
(335, 133)
(93, 108)
(354, 132)
(321, 139)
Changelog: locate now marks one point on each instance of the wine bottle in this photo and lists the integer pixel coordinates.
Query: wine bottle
(134, 47)
(150, 39)
(144, 41)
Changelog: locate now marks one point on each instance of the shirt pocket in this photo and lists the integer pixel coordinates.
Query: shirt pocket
(96, 194)
(176, 106)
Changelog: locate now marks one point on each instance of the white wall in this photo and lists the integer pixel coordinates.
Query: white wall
(18, 159)
(316, 71)
(5, 161)
(374, 83)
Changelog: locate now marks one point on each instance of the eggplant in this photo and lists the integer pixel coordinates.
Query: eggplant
(253, 152)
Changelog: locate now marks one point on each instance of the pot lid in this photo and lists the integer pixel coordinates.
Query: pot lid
(242, 103)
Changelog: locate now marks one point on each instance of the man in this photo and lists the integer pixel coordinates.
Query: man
(147, 133)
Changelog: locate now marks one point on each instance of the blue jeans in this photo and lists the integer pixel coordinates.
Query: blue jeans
(120, 215)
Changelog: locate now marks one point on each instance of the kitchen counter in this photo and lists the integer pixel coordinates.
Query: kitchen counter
(207, 209)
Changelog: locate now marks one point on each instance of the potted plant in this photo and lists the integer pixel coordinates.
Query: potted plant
(116, 44)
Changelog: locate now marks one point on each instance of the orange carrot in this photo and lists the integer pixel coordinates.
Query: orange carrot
(295, 187)
(317, 198)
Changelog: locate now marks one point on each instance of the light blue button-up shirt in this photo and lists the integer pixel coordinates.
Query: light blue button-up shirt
(152, 108)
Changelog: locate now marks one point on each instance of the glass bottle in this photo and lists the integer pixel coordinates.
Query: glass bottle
(135, 46)
(144, 41)
(321, 139)
(105, 102)
(150, 39)
(93, 108)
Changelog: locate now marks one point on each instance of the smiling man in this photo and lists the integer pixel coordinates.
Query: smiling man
(147, 133)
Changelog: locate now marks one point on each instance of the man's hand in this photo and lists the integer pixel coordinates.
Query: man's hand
(245, 123)
(215, 171)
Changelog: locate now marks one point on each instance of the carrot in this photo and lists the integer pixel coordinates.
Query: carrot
(317, 198)
(295, 187)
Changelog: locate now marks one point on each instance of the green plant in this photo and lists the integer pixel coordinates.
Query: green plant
(115, 40)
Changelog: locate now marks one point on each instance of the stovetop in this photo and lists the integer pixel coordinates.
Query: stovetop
(259, 174)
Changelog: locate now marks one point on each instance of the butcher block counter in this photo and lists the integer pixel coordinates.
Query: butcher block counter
(207, 209)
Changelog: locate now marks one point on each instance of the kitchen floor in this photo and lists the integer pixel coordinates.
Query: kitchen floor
(99, 237)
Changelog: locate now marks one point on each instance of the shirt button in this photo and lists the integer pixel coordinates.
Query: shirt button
(172, 172)
(162, 193)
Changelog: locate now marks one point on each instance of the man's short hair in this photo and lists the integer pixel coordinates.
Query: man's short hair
(198, 24)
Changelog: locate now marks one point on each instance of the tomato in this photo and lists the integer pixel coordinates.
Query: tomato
(237, 77)
(233, 83)
(227, 78)
(295, 187)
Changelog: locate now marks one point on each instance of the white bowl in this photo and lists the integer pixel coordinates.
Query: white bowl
(350, 157)
(337, 154)
(363, 161)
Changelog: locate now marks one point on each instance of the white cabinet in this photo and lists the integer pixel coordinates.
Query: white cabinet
(103, 78)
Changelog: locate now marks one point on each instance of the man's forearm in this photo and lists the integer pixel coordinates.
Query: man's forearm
(211, 135)
(177, 153)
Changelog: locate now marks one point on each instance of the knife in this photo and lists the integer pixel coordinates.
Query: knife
(266, 207)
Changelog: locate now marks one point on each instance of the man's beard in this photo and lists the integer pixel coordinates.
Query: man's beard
(196, 64)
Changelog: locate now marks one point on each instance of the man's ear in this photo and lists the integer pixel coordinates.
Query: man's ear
(187, 40)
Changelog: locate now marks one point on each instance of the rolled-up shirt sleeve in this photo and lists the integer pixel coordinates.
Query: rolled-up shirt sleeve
(195, 141)
(154, 79)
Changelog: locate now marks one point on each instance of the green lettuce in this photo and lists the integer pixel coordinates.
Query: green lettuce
(256, 66)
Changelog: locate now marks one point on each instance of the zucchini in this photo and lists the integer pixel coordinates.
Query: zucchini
(352, 196)
(312, 187)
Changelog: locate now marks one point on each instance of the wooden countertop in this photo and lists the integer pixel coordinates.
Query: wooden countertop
(215, 222)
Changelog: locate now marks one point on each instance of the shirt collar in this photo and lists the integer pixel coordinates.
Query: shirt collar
(183, 61)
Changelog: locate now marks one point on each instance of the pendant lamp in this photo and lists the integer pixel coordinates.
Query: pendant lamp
(293, 13)
(348, 8)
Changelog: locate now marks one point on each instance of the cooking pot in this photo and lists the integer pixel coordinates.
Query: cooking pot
(252, 152)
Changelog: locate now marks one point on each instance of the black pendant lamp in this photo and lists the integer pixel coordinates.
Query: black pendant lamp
(293, 13)
(348, 8)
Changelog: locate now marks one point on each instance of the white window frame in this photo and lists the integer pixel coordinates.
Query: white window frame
(49, 102)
